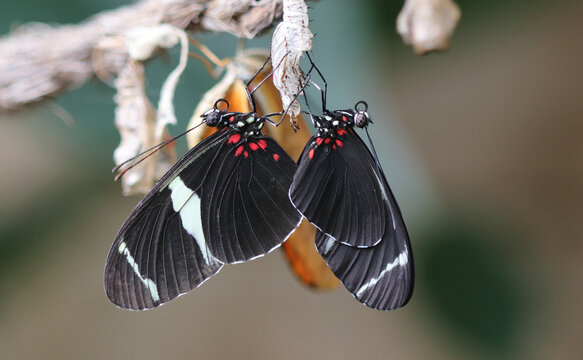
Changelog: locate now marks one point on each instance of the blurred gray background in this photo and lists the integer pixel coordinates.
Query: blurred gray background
(482, 145)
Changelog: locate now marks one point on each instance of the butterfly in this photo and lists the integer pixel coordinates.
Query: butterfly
(340, 187)
(224, 202)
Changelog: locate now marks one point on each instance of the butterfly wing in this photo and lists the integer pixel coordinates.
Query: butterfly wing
(247, 210)
(381, 276)
(337, 189)
(160, 251)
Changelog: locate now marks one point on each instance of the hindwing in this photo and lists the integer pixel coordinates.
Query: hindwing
(337, 189)
(247, 211)
(381, 276)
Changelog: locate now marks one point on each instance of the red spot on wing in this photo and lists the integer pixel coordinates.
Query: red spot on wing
(234, 138)
(334, 147)
(341, 132)
(311, 154)
(232, 118)
(245, 154)
(253, 146)
(262, 144)
(319, 140)
(327, 141)
(339, 143)
(276, 156)
(343, 118)
(239, 150)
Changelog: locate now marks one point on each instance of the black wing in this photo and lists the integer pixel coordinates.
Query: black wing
(382, 276)
(338, 190)
(247, 211)
(160, 251)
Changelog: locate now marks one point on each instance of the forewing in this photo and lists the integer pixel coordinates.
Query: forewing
(247, 210)
(382, 276)
(337, 189)
(160, 252)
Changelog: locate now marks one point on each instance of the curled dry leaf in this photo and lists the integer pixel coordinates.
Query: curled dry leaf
(142, 42)
(135, 118)
(299, 248)
(139, 124)
(428, 24)
(290, 39)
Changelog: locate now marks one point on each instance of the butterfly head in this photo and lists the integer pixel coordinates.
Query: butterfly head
(247, 123)
(345, 118)
(360, 114)
(214, 116)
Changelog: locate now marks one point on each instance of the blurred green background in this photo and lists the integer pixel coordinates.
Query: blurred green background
(482, 146)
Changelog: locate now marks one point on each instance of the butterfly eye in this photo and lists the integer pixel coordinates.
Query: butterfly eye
(212, 117)
(361, 119)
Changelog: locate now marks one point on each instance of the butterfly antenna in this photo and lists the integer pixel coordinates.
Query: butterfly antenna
(147, 153)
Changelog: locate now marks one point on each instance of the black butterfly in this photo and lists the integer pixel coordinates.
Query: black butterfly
(226, 201)
(340, 187)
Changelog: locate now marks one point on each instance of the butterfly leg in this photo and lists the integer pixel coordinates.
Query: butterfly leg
(323, 92)
(284, 113)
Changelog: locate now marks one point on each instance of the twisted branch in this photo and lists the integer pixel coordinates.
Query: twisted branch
(39, 61)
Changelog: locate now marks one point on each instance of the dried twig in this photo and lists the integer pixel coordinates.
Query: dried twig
(38, 61)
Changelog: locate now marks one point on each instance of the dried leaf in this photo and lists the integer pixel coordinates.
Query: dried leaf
(135, 119)
(142, 42)
(305, 260)
(428, 24)
(290, 39)
(139, 124)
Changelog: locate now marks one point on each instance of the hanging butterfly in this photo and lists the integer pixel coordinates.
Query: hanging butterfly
(225, 201)
(339, 186)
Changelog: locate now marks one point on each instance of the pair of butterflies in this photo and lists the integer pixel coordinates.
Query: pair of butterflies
(237, 195)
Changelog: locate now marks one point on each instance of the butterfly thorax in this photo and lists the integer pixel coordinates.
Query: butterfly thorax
(246, 124)
(335, 120)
